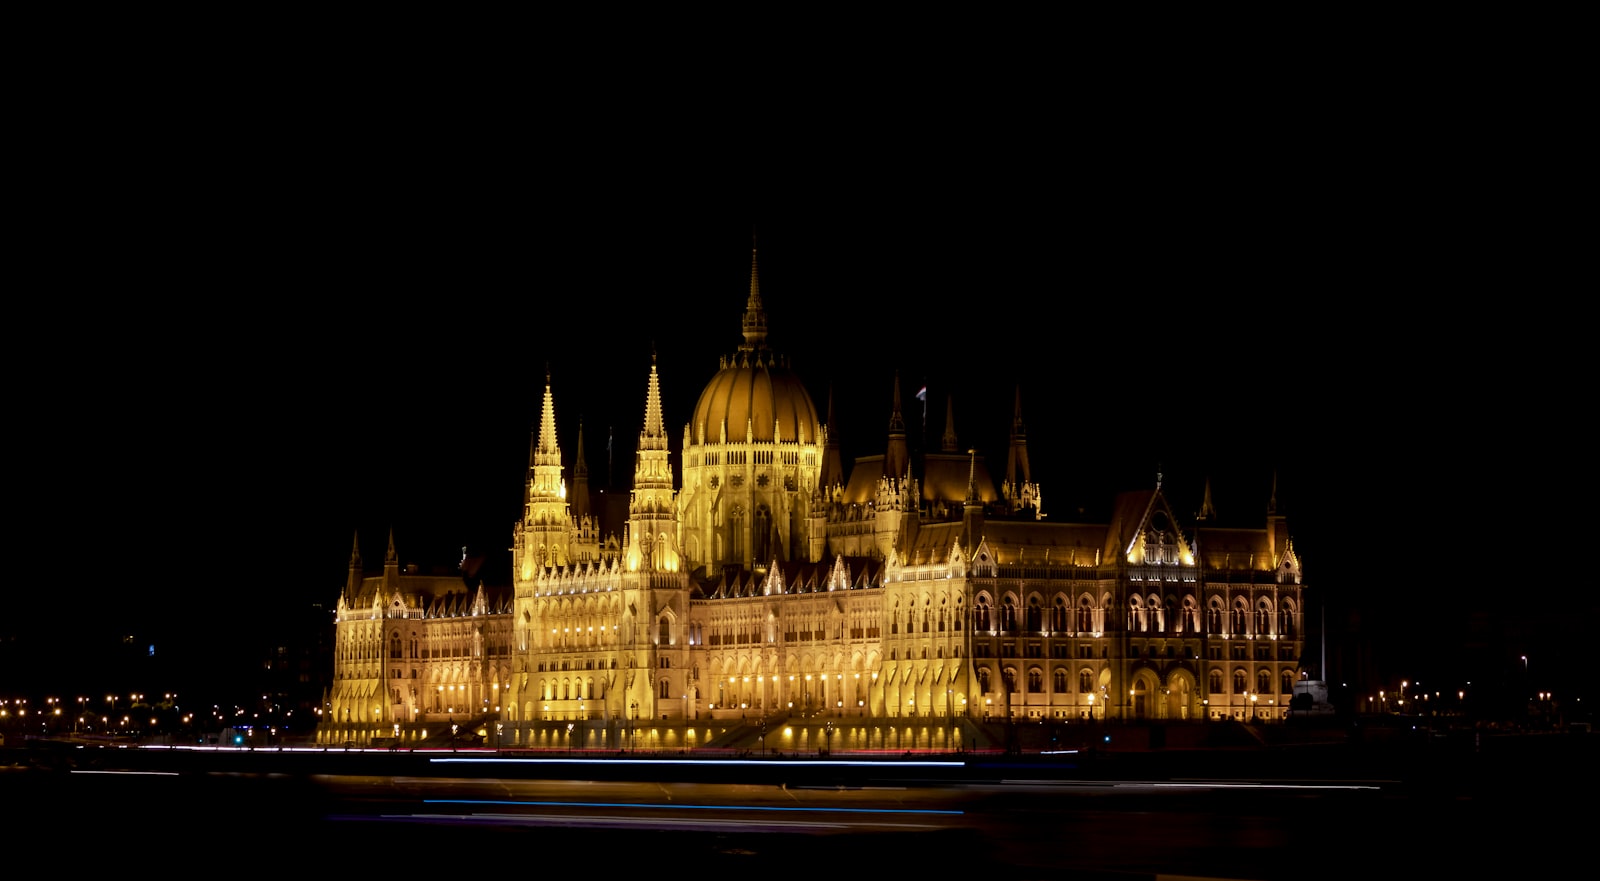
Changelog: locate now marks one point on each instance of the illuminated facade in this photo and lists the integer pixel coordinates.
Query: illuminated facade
(769, 584)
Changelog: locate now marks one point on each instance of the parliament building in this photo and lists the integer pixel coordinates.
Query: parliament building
(762, 595)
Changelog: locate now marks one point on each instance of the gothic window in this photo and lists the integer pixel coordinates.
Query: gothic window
(394, 645)
(1085, 681)
(981, 615)
(663, 636)
(1009, 674)
(941, 616)
(1239, 616)
(1215, 683)
(666, 689)
(927, 614)
(1035, 680)
(736, 536)
(1263, 682)
(1008, 614)
(1035, 615)
(1061, 681)
(983, 679)
(1288, 682)
(1214, 616)
(1085, 616)
(1058, 616)
(760, 533)
(894, 619)
(1240, 682)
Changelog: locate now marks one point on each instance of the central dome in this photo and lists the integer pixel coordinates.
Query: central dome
(754, 394)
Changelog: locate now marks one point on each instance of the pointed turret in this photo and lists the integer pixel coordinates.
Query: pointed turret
(832, 473)
(580, 481)
(352, 584)
(1020, 492)
(1208, 511)
(972, 506)
(391, 567)
(897, 458)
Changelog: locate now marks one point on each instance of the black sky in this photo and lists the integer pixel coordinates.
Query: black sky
(241, 354)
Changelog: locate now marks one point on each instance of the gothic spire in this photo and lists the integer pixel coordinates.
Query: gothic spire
(1018, 458)
(654, 435)
(755, 317)
(897, 459)
(580, 480)
(548, 451)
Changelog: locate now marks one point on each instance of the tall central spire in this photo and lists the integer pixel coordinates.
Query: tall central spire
(755, 317)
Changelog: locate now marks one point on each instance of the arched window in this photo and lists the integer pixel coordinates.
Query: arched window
(666, 689)
(1058, 616)
(1215, 682)
(1263, 682)
(1085, 681)
(1009, 674)
(1085, 616)
(1240, 683)
(1061, 681)
(983, 680)
(760, 532)
(1288, 682)
(1035, 615)
(1035, 680)
(981, 615)
(894, 618)
(394, 645)
(1008, 614)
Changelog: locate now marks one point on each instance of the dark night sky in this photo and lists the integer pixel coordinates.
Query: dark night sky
(234, 367)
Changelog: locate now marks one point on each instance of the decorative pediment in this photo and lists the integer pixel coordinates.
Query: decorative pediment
(1289, 565)
(1157, 539)
(957, 559)
(984, 562)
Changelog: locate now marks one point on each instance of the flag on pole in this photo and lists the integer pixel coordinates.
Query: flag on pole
(923, 394)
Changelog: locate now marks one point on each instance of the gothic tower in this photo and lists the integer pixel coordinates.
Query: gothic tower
(542, 537)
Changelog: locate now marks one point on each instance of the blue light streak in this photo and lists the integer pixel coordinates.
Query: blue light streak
(679, 807)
